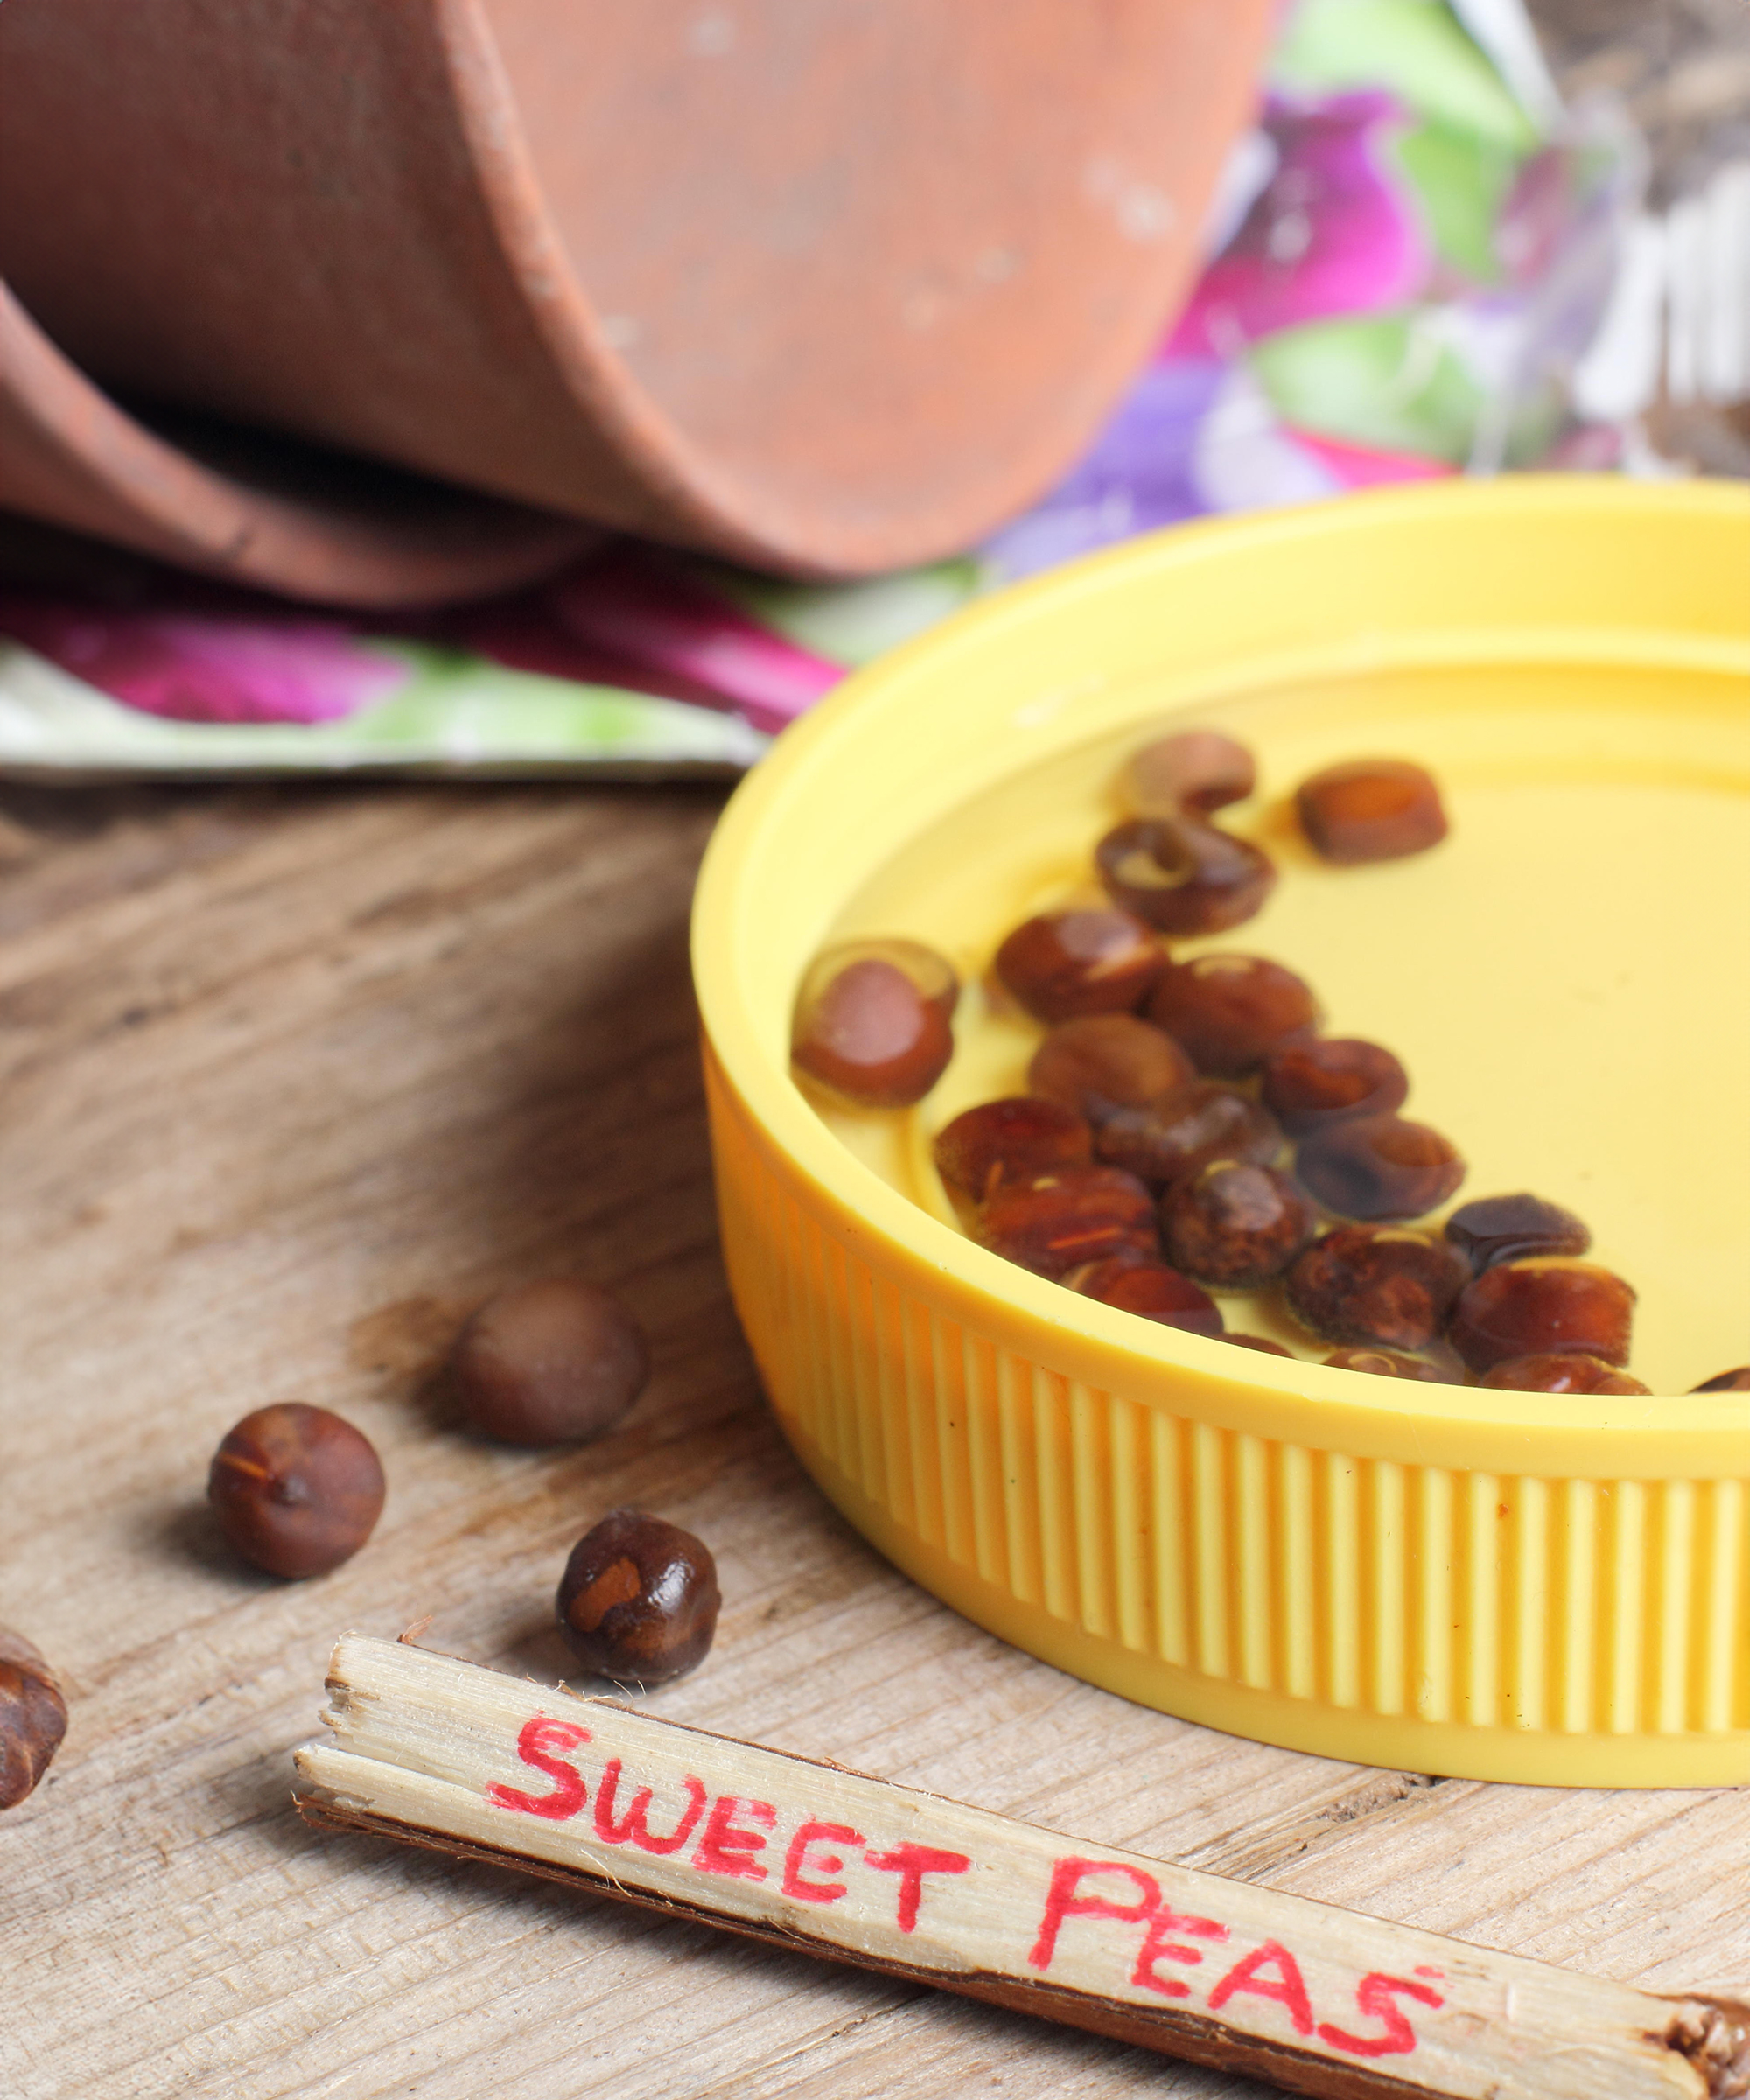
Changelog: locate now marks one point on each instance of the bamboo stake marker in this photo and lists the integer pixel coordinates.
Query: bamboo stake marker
(821, 1860)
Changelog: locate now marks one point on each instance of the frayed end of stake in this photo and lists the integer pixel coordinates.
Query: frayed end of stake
(1713, 2033)
(329, 1808)
(408, 1635)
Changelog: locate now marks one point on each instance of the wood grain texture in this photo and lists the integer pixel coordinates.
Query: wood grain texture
(288, 1081)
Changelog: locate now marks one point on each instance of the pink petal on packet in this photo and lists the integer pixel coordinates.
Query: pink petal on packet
(1362, 467)
(195, 667)
(1332, 232)
(1537, 215)
(523, 634)
(638, 606)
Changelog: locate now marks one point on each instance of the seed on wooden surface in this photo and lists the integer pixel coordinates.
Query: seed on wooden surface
(1532, 1308)
(1234, 1226)
(557, 1361)
(1332, 1079)
(1514, 1229)
(1562, 1371)
(1055, 1223)
(1166, 1139)
(1182, 876)
(638, 1602)
(1371, 809)
(873, 1021)
(1064, 963)
(296, 1489)
(1376, 1287)
(1197, 769)
(1230, 1012)
(1378, 1167)
(1009, 1140)
(1107, 1061)
(32, 1717)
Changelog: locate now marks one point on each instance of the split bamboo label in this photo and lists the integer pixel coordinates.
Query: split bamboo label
(819, 1859)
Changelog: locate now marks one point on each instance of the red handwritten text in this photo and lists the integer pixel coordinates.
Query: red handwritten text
(796, 1882)
(1377, 1996)
(824, 1863)
(1114, 1889)
(538, 1737)
(1286, 1987)
(635, 1829)
(1159, 1944)
(1065, 1900)
(911, 1863)
(724, 1849)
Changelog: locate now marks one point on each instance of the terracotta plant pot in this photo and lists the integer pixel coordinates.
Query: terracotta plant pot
(823, 285)
(255, 509)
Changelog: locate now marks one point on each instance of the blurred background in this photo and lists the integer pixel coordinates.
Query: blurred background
(594, 393)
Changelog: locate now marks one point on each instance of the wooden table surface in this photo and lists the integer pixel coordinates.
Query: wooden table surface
(291, 1079)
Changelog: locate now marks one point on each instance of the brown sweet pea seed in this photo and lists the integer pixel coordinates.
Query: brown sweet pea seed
(1065, 964)
(638, 1600)
(1153, 1291)
(1103, 1062)
(1197, 769)
(1009, 1140)
(1379, 1167)
(1229, 1013)
(1562, 1371)
(1056, 1222)
(1376, 1287)
(1182, 876)
(297, 1490)
(1167, 1139)
(1390, 1363)
(1089, 1279)
(1234, 1226)
(1370, 809)
(873, 1022)
(1536, 1307)
(32, 1718)
(1308, 1086)
(557, 1361)
(1726, 1382)
(1514, 1229)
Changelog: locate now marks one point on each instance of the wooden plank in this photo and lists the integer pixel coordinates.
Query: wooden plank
(288, 1080)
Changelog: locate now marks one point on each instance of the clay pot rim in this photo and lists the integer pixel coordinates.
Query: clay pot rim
(738, 520)
(161, 501)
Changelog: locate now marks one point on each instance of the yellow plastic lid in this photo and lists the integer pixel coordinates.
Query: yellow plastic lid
(1497, 1584)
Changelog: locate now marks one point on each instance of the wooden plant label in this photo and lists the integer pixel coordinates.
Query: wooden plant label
(811, 1857)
